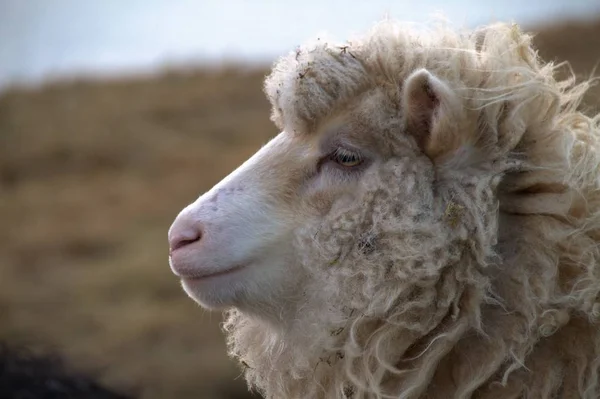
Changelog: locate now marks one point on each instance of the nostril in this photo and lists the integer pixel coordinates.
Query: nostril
(183, 239)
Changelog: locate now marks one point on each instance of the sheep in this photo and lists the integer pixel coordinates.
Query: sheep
(24, 375)
(426, 224)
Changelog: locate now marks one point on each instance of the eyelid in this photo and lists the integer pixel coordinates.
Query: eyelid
(341, 151)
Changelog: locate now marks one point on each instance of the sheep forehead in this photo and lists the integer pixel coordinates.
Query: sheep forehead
(317, 79)
(321, 77)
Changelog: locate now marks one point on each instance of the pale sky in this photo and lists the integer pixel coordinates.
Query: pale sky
(45, 38)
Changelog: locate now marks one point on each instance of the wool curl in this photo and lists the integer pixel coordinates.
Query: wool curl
(478, 276)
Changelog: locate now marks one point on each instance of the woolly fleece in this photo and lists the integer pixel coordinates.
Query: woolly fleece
(470, 271)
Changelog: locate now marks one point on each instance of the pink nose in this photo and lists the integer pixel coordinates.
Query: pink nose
(183, 234)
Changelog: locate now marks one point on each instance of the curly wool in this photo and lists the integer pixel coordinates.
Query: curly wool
(475, 277)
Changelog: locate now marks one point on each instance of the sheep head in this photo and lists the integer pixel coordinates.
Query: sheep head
(361, 237)
(243, 242)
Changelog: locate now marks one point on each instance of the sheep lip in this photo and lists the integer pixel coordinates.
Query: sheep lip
(208, 274)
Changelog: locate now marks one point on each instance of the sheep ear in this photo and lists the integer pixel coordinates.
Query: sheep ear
(428, 105)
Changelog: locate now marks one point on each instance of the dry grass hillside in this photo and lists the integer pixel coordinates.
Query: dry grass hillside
(91, 176)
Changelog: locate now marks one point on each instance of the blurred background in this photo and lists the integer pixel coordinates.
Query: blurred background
(115, 115)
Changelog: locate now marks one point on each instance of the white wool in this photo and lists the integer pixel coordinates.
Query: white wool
(483, 280)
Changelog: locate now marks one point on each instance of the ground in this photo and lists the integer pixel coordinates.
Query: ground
(91, 176)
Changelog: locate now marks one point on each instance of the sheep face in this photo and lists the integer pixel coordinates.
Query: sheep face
(256, 240)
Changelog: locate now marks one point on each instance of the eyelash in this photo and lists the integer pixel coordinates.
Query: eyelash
(346, 158)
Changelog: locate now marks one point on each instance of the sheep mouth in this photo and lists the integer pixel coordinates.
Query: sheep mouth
(194, 277)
